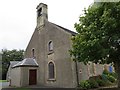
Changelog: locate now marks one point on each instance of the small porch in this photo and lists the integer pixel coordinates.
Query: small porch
(24, 73)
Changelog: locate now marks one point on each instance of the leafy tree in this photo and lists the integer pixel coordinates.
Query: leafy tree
(98, 38)
(7, 56)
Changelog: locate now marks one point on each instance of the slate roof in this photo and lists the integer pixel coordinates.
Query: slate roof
(12, 63)
(26, 62)
(69, 31)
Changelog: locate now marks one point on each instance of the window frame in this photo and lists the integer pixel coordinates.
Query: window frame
(51, 78)
(50, 45)
(39, 12)
(33, 52)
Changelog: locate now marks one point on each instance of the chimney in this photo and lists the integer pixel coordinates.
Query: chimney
(42, 14)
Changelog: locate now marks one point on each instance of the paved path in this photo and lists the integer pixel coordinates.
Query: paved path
(4, 84)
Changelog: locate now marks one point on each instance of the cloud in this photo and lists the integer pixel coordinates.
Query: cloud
(18, 18)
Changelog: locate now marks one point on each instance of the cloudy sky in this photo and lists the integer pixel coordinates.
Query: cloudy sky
(18, 18)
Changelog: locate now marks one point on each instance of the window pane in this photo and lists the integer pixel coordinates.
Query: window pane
(50, 45)
(33, 52)
(51, 70)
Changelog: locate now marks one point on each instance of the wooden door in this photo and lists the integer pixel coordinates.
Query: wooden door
(32, 77)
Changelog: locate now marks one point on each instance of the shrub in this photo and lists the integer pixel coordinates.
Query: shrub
(93, 83)
(104, 77)
(95, 77)
(107, 83)
(84, 84)
(96, 81)
(111, 78)
(106, 72)
(100, 82)
(114, 74)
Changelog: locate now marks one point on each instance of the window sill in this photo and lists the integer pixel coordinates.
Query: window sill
(53, 79)
(50, 52)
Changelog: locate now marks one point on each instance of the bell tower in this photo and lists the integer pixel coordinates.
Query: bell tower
(42, 14)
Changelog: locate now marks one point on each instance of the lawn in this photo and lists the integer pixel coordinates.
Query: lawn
(3, 80)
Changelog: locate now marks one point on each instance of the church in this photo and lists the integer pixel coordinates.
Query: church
(47, 59)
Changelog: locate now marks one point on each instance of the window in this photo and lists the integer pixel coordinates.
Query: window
(40, 12)
(33, 52)
(51, 70)
(50, 46)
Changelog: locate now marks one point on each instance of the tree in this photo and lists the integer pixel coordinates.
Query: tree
(7, 56)
(98, 38)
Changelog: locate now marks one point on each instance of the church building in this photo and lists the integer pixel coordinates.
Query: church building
(47, 59)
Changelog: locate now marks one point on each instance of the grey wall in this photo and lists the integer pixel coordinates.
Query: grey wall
(25, 75)
(16, 77)
(61, 58)
(65, 74)
(82, 71)
(62, 43)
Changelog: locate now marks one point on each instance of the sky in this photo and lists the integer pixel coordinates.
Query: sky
(18, 18)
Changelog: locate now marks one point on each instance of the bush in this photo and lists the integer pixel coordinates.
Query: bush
(93, 83)
(114, 74)
(107, 83)
(100, 82)
(105, 79)
(106, 72)
(95, 77)
(84, 84)
(88, 84)
(111, 78)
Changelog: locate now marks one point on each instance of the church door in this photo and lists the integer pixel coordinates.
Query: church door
(32, 77)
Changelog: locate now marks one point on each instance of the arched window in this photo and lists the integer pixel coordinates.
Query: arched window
(50, 46)
(51, 70)
(33, 53)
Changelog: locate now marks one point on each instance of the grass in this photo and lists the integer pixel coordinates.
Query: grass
(3, 80)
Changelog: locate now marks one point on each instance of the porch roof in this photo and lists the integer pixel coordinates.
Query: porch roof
(26, 62)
